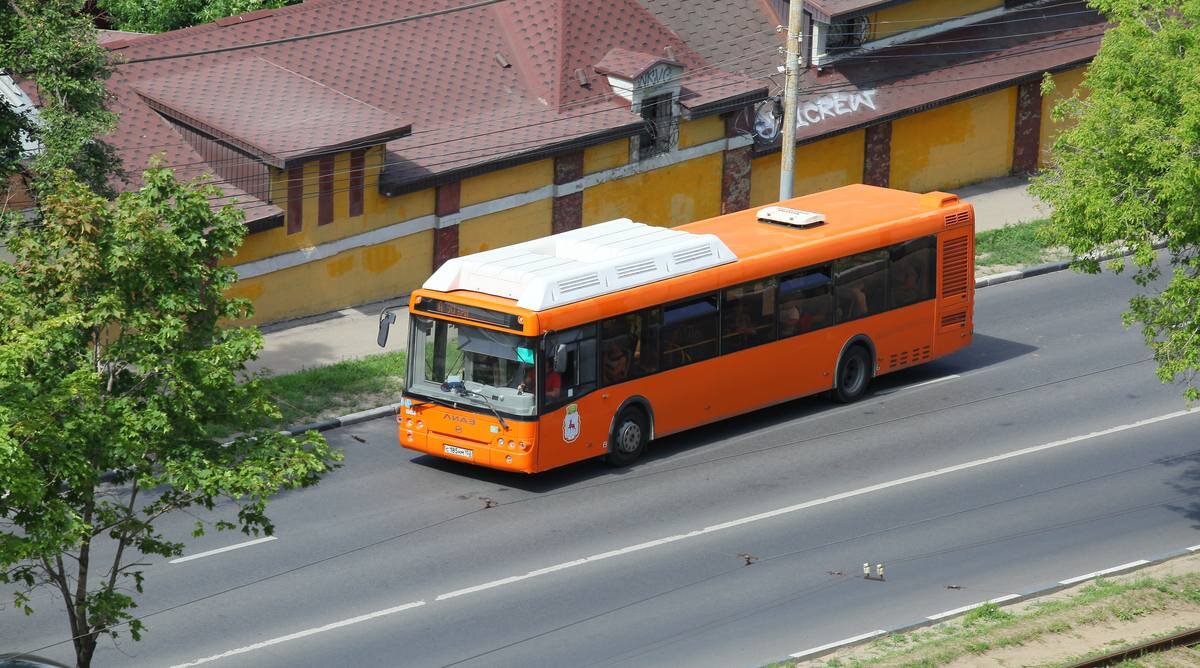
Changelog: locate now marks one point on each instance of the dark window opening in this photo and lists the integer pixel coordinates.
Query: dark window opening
(912, 276)
(658, 126)
(860, 285)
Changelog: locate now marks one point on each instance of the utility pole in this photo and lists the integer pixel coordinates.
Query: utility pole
(787, 167)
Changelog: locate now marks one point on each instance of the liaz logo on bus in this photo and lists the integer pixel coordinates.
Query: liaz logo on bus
(458, 418)
(571, 424)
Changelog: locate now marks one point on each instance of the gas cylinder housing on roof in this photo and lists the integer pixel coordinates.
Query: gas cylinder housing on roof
(578, 264)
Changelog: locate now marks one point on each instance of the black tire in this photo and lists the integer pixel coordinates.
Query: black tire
(631, 432)
(853, 375)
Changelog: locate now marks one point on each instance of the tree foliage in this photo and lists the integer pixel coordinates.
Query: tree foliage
(51, 46)
(164, 15)
(113, 362)
(1126, 173)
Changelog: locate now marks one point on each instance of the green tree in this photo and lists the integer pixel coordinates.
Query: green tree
(1126, 174)
(113, 363)
(164, 15)
(51, 46)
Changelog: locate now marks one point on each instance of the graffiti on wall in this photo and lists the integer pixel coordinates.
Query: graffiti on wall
(810, 112)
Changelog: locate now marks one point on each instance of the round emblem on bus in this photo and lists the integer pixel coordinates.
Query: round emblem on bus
(571, 424)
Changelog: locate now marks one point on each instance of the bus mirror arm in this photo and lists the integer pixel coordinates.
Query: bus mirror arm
(385, 324)
(560, 358)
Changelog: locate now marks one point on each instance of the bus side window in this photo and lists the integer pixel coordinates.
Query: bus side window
(569, 366)
(628, 346)
(805, 301)
(860, 285)
(748, 315)
(912, 271)
(689, 332)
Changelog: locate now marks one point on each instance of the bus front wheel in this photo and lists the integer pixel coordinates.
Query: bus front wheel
(853, 375)
(629, 437)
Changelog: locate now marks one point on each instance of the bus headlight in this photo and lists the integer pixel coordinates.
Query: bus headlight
(500, 442)
(420, 424)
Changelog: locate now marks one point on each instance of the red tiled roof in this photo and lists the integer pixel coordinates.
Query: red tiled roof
(316, 119)
(441, 75)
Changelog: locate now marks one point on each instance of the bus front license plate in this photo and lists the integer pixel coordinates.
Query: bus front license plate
(455, 450)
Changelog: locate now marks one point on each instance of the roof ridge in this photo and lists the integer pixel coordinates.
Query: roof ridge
(322, 84)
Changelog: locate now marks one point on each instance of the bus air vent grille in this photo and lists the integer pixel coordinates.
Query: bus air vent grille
(578, 283)
(960, 218)
(904, 358)
(634, 268)
(956, 267)
(952, 319)
(692, 254)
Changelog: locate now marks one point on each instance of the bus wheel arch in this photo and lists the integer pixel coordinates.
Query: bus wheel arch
(631, 430)
(859, 350)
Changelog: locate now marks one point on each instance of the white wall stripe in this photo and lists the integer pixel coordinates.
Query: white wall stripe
(1114, 569)
(415, 225)
(834, 645)
(302, 634)
(219, 550)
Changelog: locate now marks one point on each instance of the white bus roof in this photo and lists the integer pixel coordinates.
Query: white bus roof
(575, 265)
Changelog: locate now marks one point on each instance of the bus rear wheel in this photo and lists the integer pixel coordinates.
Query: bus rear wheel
(628, 440)
(853, 375)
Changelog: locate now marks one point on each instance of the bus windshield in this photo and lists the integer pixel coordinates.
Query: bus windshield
(472, 365)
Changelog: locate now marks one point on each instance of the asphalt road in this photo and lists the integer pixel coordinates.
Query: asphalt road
(1046, 450)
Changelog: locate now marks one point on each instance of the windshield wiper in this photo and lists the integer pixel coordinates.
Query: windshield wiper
(461, 390)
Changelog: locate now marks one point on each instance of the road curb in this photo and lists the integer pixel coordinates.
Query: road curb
(342, 421)
(1044, 590)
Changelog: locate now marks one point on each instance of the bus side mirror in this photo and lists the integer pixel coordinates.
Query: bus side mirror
(560, 358)
(385, 324)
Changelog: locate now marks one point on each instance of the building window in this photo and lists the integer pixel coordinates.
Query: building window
(848, 33)
(295, 198)
(659, 126)
(325, 191)
(358, 160)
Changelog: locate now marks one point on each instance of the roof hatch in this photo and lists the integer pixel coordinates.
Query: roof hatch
(782, 215)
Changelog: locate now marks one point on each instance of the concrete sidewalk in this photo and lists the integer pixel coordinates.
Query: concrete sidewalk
(350, 333)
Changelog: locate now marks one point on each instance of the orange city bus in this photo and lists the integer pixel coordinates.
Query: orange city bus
(594, 341)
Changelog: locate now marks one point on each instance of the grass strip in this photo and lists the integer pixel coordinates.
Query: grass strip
(1017, 244)
(329, 391)
(990, 628)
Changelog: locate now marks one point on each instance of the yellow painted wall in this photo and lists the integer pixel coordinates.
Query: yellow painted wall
(378, 211)
(605, 156)
(701, 131)
(522, 223)
(510, 181)
(670, 196)
(1065, 84)
(829, 163)
(354, 277)
(955, 144)
(917, 13)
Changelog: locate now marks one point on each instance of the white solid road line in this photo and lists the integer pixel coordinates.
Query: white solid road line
(1193, 548)
(1114, 569)
(219, 550)
(833, 645)
(303, 634)
(712, 529)
(916, 385)
(809, 504)
(967, 608)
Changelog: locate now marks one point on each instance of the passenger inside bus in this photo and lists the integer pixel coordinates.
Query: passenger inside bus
(617, 355)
